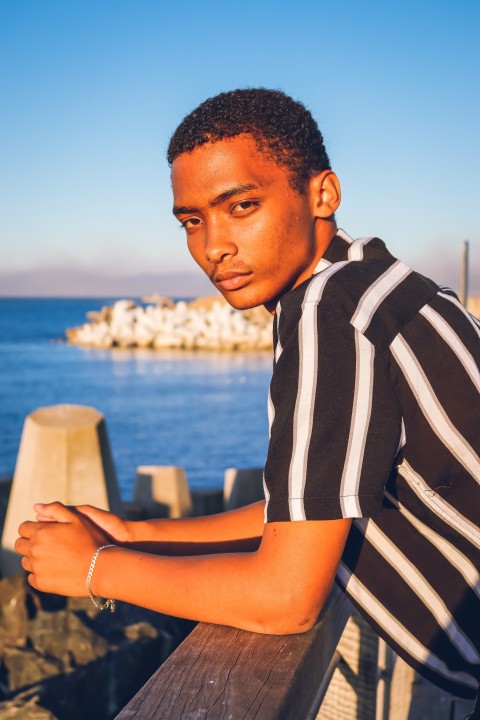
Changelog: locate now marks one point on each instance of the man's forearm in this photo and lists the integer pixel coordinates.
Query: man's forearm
(235, 530)
(223, 589)
(278, 589)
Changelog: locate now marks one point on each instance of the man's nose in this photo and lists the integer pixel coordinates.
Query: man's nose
(218, 245)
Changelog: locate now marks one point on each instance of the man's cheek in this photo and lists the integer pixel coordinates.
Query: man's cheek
(204, 265)
(194, 251)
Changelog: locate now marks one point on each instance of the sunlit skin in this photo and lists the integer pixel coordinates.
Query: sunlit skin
(256, 238)
(248, 229)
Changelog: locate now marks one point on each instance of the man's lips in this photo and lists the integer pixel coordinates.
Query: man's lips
(231, 279)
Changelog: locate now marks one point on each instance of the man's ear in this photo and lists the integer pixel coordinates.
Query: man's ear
(325, 194)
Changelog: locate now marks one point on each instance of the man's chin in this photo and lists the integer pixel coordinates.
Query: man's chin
(243, 301)
(242, 305)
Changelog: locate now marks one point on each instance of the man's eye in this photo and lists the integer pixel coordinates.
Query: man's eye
(244, 206)
(189, 223)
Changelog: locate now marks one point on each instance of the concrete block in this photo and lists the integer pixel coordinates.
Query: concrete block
(242, 487)
(64, 455)
(207, 501)
(162, 491)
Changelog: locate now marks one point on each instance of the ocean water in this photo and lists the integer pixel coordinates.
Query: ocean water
(201, 411)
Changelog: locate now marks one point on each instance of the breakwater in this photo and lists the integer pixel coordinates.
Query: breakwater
(204, 324)
(62, 659)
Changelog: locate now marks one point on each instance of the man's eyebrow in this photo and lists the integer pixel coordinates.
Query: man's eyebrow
(225, 195)
(231, 192)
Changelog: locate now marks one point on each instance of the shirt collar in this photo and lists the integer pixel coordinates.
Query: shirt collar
(336, 251)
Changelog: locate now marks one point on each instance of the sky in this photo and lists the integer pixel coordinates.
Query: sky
(91, 92)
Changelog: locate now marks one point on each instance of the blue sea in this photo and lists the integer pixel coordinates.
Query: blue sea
(201, 411)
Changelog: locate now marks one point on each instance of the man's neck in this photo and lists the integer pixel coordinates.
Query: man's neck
(325, 231)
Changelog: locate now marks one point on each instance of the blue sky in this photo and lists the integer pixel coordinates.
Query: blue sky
(91, 92)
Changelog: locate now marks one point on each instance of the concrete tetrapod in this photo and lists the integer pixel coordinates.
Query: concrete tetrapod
(162, 491)
(242, 487)
(64, 455)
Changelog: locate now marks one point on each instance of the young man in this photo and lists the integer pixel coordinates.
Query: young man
(372, 474)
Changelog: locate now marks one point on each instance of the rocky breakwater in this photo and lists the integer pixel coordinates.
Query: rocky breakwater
(61, 659)
(204, 324)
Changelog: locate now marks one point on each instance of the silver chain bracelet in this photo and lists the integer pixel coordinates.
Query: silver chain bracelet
(99, 605)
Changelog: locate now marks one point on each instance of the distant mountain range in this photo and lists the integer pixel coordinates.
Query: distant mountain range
(81, 282)
(62, 282)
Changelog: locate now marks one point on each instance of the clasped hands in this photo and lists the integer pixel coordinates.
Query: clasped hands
(58, 547)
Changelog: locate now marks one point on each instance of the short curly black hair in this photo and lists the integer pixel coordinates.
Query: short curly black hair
(283, 129)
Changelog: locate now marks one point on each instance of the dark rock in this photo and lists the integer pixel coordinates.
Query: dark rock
(24, 707)
(62, 635)
(62, 659)
(24, 667)
(99, 690)
(13, 611)
(140, 630)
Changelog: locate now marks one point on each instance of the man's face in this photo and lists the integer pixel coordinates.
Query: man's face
(246, 227)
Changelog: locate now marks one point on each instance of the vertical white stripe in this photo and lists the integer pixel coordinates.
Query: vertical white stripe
(270, 412)
(267, 500)
(377, 292)
(271, 417)
(307, 385)
(278, 349)
(457, 559)
(403, 437)
(439, 505)
(362, 407)
(270, 405)
(433, 411)
(454, 342)
(304, 407)
(421, 587)
(397, 631)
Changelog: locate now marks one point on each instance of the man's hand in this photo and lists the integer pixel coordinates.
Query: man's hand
(119, 530)
(57, 551)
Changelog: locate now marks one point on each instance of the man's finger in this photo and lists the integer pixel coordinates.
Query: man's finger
(32, 581)
(43, 518)
(26, 564)
(27, 529)
(55, 511)
(21, 545)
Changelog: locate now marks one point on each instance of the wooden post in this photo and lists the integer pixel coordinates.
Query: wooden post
(352, 691)
(386, 662)
(464, 274)
(400, 693)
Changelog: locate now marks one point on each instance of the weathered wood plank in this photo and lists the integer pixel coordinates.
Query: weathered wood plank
(221, 673)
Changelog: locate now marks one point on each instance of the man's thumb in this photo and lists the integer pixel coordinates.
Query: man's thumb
(55, 511)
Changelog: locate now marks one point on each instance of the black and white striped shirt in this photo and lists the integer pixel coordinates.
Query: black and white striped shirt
(374, 415)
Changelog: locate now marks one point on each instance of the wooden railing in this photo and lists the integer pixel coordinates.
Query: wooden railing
(221, 673)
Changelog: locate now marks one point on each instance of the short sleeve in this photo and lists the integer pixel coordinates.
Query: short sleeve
(335, 421)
